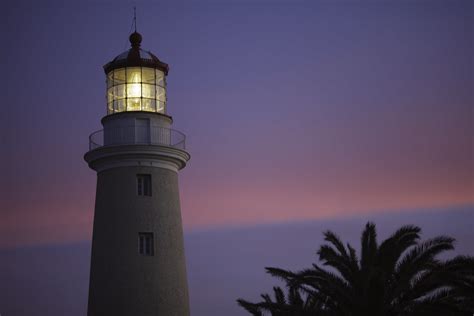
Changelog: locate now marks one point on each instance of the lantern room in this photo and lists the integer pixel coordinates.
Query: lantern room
(136, 80)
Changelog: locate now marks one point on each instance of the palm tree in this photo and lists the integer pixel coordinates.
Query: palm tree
(400, 277)
(294, 304)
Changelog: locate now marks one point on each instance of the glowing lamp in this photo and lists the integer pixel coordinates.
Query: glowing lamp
(136, 80)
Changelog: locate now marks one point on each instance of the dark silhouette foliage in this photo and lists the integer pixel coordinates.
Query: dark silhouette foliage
(402, 276)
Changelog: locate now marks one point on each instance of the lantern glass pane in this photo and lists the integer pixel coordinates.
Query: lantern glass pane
(160, 94)
(160, 78)
(148, 75)
(120, 105)
(110, 95)
(134, 75)
(148, 91)
(148, 105)
(160, 107)
(119, 92)
(134, 104)
(110, 79)
(119, 76)
(134, 90)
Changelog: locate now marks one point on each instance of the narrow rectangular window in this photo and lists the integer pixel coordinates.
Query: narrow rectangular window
(144, 184)
(139, 185)
(142, 244)
(145, 244)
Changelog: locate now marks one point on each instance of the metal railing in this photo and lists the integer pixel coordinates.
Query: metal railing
(137, 135)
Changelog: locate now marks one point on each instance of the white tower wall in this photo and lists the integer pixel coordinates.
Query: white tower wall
(124, 282)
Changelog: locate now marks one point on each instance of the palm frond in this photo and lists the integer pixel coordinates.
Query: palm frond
(423, 255)
(341, 262)
(393, 247)
(368, 246)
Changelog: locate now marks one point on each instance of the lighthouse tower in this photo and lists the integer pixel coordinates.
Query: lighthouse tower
(137, 264)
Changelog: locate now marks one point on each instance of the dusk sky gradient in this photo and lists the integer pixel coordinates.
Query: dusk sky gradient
(294, 111)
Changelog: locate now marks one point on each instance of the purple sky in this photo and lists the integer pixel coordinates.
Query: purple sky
(294, 111)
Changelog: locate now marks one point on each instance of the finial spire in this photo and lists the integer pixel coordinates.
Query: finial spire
(135, 38)
(135, 17)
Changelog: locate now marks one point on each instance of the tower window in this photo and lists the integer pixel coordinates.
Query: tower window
(144, 184)
(145, 244)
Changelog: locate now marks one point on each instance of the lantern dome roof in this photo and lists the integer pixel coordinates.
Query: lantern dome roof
(136, 57)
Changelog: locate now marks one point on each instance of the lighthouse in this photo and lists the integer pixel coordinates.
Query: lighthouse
(137, 262)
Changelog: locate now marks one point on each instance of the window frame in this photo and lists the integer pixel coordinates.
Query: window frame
(146, 244)
(144, 184)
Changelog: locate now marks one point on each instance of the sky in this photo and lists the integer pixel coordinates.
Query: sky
(295, 112)
(292, 111)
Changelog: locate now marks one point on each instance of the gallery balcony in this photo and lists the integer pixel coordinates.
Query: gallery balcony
(137, 135)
